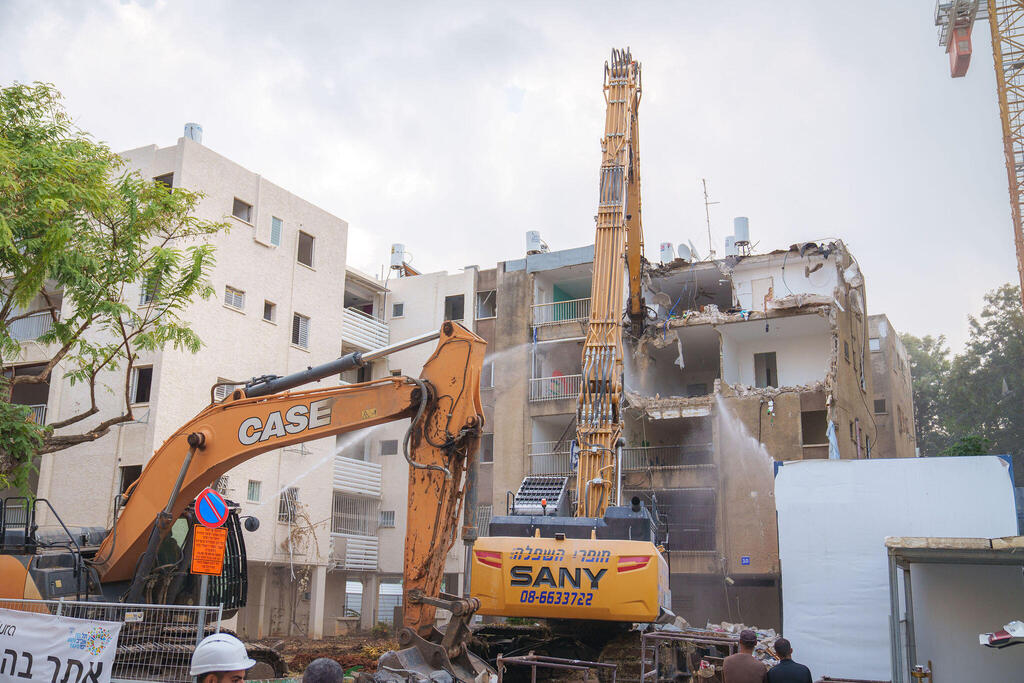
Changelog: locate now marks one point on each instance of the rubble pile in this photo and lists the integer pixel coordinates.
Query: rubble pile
(764, 651)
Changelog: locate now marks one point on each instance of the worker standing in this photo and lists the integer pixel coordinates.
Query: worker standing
(742, 667)
(220, 658)
(787, 671)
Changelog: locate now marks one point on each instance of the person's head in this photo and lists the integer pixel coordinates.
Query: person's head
(783, 648)
(220, 658)
(748, 639)
(323, 670)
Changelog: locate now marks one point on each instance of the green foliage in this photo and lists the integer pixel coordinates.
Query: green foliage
(973, 403)
(21, 438)
(79, 236)
(381, 629)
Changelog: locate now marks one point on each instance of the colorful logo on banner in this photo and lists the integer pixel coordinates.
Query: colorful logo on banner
(211, 509)
(92, 641)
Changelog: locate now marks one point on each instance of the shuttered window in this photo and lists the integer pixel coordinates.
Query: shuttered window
(235, 298)
(300, 331)
(276, 224)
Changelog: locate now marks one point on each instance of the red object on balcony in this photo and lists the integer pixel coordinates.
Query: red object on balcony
(959, 51)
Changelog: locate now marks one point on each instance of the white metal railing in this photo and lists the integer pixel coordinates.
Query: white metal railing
(357, 476)
(644, 457)
(550, 457)
(30, 327)
(39, 413)
(354, 551)
(363, 330)
(554, 388)
(561, 311)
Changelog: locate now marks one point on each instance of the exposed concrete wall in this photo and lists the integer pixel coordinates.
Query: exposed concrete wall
(890, 373)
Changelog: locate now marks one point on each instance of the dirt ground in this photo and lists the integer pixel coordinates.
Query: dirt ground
(359, 650)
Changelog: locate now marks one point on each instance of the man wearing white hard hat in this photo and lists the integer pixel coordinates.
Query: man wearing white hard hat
(220, 658)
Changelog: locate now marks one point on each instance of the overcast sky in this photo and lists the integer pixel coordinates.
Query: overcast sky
(455, 128)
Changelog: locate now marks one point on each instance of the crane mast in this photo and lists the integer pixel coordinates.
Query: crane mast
(618, 240)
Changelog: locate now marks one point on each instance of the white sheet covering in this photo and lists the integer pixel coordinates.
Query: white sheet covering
(834, 516)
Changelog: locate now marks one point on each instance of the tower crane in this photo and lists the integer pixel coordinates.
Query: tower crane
(956, 19)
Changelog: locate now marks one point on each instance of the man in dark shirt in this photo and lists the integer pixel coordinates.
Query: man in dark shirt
(787, 671)
(742, 667)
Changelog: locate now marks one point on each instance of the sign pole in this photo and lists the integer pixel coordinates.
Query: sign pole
(204, 584)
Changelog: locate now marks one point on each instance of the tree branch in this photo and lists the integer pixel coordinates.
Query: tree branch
(59, 443)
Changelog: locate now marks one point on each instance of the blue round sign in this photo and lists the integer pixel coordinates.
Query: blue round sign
(211, 509)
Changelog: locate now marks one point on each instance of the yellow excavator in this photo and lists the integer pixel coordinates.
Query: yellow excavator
(591, 556)
(139, 560)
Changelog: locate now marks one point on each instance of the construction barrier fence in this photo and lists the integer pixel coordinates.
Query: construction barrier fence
(156, 641)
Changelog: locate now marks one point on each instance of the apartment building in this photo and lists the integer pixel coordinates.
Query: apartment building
(746, 361)
(284, 300)
(893, 403)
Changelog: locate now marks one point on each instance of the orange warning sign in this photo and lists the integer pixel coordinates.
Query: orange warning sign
(208, 550)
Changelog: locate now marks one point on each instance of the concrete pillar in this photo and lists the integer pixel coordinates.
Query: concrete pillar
(317, 590)
(261, 606)
(368, 606)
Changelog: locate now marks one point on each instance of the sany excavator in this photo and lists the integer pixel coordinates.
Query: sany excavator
(140, 560)
(593, 558)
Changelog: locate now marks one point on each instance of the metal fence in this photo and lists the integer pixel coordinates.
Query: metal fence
(550, 457)
(561, 311)
(554, 388)
(682, 455)
(156, 641)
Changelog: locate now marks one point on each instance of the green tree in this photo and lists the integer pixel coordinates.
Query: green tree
(79, 235)
(929, 370)
(985, 389)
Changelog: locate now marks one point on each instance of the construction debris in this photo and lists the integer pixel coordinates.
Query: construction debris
(764, 651)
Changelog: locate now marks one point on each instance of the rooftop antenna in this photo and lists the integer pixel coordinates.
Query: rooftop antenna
(707, 216)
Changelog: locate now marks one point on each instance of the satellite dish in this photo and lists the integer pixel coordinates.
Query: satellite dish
(684, 252)
(693, 251)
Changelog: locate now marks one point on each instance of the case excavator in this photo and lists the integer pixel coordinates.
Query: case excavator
(144, 559)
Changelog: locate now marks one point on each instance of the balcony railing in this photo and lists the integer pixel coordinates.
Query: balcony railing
(645, 457)
(357, 476)
(561, 311)
(354, 552)
(39, 413)
(362, 330)
(550, 463)
(554, 388)
(31, 327)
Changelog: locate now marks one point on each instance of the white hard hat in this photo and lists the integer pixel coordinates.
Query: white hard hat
(219, 652)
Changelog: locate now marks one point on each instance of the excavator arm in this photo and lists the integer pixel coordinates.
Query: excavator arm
(447, 415)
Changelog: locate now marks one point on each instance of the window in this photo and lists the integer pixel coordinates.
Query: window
(287, 505)
(853, 436)
(454, 307)
(353, 514)
(846, 350)
(899, 419)
(486, 451)
(167, 180)
(276, 224)
(300, 331)
(387, 519)
(142, 382)
(149, 291)
(305, 255)
(397, 310)
(879, 406)
(254, 491)
(486, 304)
(234, 298)
(765, 371)
(129, 475)
(813, 425)
(487, 376)
(270, 311)
(242, 210)
(690, 516)
(389, 447)
(221, 485)
(875, 344)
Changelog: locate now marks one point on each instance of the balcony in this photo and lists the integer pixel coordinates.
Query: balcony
(363, 331)
(561, 312)
(643, 458)
(550, 457)
(30, 327)
(555, 387)
(357, 476)
(354, 552)
(39, 413)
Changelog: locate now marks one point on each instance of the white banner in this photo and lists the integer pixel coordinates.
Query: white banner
(43, 647)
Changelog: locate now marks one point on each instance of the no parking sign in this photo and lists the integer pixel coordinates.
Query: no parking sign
(211, 509)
